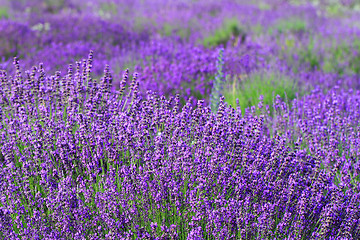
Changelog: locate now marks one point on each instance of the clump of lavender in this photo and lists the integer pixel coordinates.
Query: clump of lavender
(218, 82)
(80, 161)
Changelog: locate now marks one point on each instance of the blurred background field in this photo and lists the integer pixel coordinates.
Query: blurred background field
(172, 45)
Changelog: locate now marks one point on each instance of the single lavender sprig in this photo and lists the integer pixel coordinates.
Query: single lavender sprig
(219, 82)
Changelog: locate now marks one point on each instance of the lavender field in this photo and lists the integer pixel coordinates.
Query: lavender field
(184, 119)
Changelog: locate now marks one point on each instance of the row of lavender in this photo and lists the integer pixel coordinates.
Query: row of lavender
(86, 158)
(80, 161)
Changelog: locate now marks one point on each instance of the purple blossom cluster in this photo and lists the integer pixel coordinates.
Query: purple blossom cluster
(155, 151)
(82, 161)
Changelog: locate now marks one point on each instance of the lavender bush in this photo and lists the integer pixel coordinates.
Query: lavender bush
(73, 179)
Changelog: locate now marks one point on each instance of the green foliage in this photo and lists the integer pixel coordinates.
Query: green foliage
(355, 61)
(130, 64)
(214, 12)
(330, 57)
(217, 89)
(306, 54)
(257, 29)
(332, 8)
(167, 29)
(293, 25)
(336, 58)
(309, 56)
(170, 29)
(247, 89)
(108, 9)
(54, 6)
(343, 58)
(221, 36)
(4, 13)
(264, 6)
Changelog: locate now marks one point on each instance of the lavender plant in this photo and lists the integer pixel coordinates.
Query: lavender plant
(81, 161)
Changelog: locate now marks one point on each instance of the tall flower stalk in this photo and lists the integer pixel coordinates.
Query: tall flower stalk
(218, 83)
